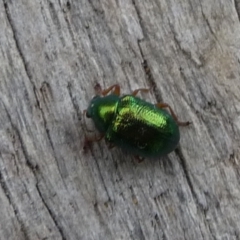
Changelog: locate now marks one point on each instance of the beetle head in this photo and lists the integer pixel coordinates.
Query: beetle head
(91, 106)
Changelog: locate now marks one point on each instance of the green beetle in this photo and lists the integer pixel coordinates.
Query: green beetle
(142, 128)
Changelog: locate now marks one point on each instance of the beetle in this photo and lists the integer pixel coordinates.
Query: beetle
(142, 128)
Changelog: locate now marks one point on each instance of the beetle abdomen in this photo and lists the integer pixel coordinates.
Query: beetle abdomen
(142, 128)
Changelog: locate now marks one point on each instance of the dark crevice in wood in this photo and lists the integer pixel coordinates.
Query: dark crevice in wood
(55, 19)
(164, 237)
(211, 231)
(46, 128)
(71, 31)
(190, 184)
(145, 65)
(46, 92)
(149, 76)
(99, 12)
(27, 70)
(202, 234)
(139, 233)
(91, 39)
(237, 6)
(74, 102)
(15, 37)
(44, 118)
(31, 165)
(28, 73)
(210, 28)
(52, 215)
(102, 221)
(160, 220)
(139, 15)
(185, 52)
(185, 170)
(206, 222)
(68, 4)
(157, 223)
(34, 168)
(59, 2)
(6, 191)
(102, 178)
(4, 184)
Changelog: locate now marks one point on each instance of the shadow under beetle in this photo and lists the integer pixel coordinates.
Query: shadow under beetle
(141, 128)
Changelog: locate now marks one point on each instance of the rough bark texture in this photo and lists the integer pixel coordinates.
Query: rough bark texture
(51, 55)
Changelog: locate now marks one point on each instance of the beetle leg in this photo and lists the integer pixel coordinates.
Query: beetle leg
(135, 92)
(139, 160)
(98, 89)
(115, 88)
(95, 138)
(165, 105)
(84, 118)
(110, 145)
(89, 140)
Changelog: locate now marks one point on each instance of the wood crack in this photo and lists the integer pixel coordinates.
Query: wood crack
(185, 170)
(27, 70)
(51, 214)
(74, 102)
(149, 76)
(237, 7)
(4, 186)
(16, 40)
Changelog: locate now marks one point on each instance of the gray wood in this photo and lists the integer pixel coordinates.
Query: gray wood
(52, 53)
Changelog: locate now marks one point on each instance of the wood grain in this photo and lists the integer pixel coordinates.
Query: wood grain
(52, 53)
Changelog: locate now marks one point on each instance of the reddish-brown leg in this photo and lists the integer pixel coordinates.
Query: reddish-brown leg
(165, 105)
(115, 88)
(98, 89)
(89, 140)
(135, 92)
(110, 145)
(139, 159)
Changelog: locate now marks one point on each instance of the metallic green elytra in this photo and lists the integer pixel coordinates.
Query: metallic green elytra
(142, 128)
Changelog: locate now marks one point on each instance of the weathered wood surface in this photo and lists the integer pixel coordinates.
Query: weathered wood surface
(51, 55)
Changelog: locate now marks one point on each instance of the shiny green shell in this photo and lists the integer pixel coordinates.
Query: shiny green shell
(134, 124)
